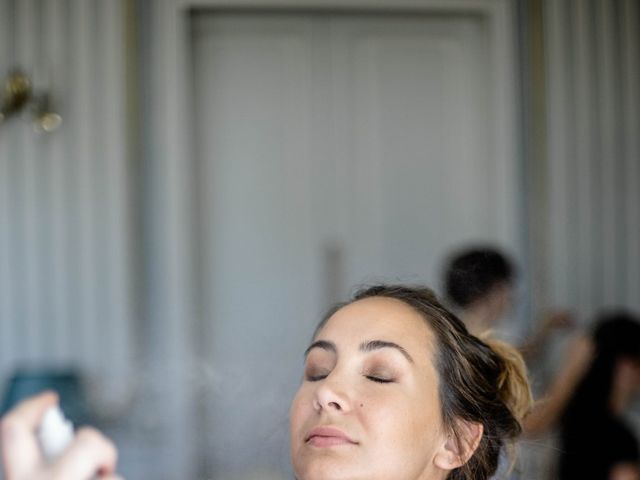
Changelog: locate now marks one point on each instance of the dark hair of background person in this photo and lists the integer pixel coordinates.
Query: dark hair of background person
(483, 382)
(471, 273)
(616, 336)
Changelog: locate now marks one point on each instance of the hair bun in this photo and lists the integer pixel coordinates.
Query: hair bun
(513, 387)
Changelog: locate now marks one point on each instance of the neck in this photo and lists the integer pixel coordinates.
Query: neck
(478, 318)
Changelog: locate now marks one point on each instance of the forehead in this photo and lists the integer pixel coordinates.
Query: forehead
(379, 318)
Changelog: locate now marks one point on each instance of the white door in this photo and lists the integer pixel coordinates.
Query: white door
(333, 149)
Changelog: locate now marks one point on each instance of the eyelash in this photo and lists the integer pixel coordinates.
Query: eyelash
(378, 379)
(317, 378)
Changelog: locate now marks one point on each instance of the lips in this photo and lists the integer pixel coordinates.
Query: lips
(328, 437)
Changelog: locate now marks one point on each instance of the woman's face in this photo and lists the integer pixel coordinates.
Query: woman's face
(368, 407)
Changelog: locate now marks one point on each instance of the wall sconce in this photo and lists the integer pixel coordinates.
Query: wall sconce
(18, 95)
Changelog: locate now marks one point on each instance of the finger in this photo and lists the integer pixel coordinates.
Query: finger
(89, 454)
(20, 449)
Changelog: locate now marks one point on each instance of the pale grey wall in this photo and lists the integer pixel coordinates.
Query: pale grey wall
(66, 290)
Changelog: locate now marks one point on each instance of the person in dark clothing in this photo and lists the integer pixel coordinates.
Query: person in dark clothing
(596, 443)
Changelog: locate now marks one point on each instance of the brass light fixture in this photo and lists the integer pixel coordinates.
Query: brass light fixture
(18, 95)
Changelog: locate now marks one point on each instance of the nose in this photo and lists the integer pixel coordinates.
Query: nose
(331, 396)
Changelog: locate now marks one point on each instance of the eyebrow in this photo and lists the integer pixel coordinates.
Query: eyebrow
(369, 346)
(379, 344)
(323, 344)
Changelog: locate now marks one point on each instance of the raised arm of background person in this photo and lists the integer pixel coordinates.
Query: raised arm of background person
(552, 321)
(547, 411)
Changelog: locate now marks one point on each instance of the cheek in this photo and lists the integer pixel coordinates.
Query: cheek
(387, 415)
(403, 436)
(299, 412)
(406, 423)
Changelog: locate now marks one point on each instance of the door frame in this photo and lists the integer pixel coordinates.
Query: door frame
(169, 182)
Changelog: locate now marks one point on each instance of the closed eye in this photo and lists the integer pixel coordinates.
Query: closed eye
(316, 378)
(378, 379)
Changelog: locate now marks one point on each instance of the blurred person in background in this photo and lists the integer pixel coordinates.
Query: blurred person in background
(479, 283)
(596, 442)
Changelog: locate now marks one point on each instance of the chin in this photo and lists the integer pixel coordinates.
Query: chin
(324, 469)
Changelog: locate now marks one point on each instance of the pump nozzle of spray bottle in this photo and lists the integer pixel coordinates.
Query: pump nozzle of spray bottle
(55, 433)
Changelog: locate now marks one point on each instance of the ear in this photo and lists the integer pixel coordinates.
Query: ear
(456, 450)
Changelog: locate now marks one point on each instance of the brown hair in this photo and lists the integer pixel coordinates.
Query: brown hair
(482, 381)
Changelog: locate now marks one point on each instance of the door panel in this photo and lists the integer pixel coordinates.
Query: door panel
(333, 150)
